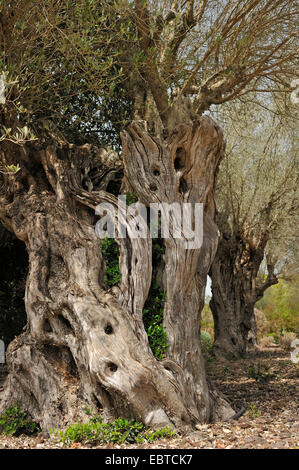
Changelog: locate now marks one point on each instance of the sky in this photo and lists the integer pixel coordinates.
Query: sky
(208, 288)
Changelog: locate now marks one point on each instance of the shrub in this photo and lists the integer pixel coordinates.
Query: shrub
(207, 321)
(153, 320)
(262, 324)
(261, 372)
(254, 412)
(280, 306)
(266, 342)
(131, 198)
(154, 306)
(153, 435)
(117, 432)
(158, 340)
(287, 339)
(205, 342)
(110, 253)
(14, 422)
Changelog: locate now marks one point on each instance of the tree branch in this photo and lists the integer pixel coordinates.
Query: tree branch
(269, 281)
(150, 70)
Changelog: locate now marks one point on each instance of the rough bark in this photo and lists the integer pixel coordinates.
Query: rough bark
(182, 170)
(84, 344)
(235, 290)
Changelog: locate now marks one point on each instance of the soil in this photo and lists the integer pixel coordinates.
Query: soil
(265, 383)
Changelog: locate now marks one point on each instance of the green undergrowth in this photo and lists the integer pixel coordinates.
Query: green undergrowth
(14, 422)
(153, 321)
(110, 253)
(119, 431)
(254, 412)
(131, 198)
(206, 342)
(261, 372)
(154, 308)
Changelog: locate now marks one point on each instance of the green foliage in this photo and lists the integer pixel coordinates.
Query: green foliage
(226, 369)
(205, 342)
(13, 168)
(110, 253)
(15, 421)
(207, 321)
(287, 339)
(79, 63)
(261, 372)
(152, 435)
(118, 431)
(254, 412)
(131, 198)
(154, 307)
(153, 320)
(260, 160)
(158, 249)
(274, 336)
(253, 171)
(68, 78)
(280, 305)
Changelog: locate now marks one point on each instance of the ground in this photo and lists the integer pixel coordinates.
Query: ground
(265, 383)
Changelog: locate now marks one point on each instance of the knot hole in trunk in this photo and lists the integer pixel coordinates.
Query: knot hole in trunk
(108, 329)
(156, 171)
(179, 159)
(112, 367)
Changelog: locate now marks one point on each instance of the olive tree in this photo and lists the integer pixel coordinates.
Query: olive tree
(257, 200)
(168, 62)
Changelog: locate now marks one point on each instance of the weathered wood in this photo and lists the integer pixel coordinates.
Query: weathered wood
(235, 291)
(181, 170)
(84, 344)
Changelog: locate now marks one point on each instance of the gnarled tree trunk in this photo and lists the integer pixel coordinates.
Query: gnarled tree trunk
(235, 290)
(85, 344)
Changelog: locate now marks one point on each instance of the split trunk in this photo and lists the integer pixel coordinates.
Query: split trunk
(84, 344)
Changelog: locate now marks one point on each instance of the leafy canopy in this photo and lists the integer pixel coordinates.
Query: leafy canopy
(88, 67)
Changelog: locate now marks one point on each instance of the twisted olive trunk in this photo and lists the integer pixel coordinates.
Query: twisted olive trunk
(235, 290)
(87, 345)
